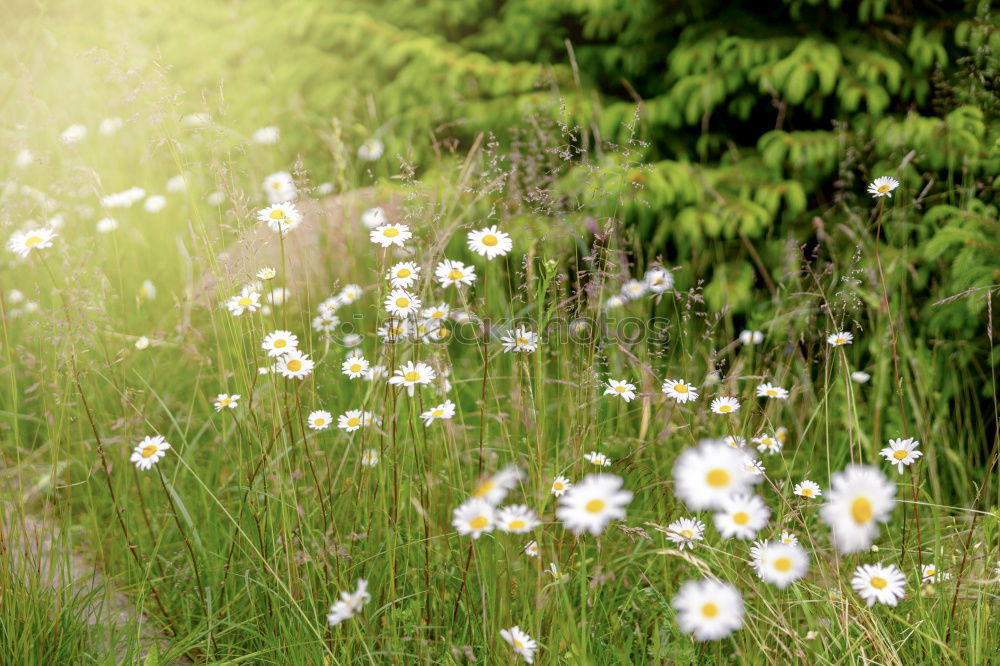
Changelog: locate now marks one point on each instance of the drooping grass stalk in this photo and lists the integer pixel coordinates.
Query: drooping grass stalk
(899, 383)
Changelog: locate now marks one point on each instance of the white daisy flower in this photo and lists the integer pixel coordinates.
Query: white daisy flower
(354, 366)
(319, 419)
(402, 303)
(860, 497)
(620, 388)
(376, 372)
(148, 290)
(350, 604)
(929, 574)
(679, 390)
(685, 532)
(840, 339)
(707, 474)
(369, 458)
(277, 343)
(615, 301)
(349, 294)
(748, 337)
(560, 485)
(901, 452)
(709, 609)
(391, 234)
(224, 400)
(517, 519)
(351, 340)
(808, 489)
(374, 217)
(742, 515)
(394, 330)
(521, 642)
(73, 134)
(519, 340)
(266, 136)
(781, 564)
(860, 376)
(788, 537)
(592, 503)
(438, 312)
(142, 342)
(735, 441)
(325, 323)
(403, 274)
(531, 548)
(450, 272)
(878, 583)
(280, 218)
(106, 225)
(410, 374)
(247, 301)
(494, 489)
(109, 126)
(634, 289)
(371, 150)
(883, 187)
(767, 444)
(598, 459)
(769, 390)
(294, 365)
(22, 243)
(490, 242)
(280, 188)
(445, 410)
(725, 405)
(266, 273)
(353, 419)
(659, 280)
(474, 517)
(149, 451)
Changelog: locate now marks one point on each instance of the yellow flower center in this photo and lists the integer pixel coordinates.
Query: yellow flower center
(280, 343)
(319, 421)
(277, 214)
(620, 389)
(437, 315)
(32, 241)
(717, 478)
(878, 582)
(930, 571)
(489, 240)
(558, 485)
(243, 302)
(516, 524)
(411, 376)
(518, 644)
(483, 488)
(437, 412)
(391, 232)
(595, 506)
(355, 367)
(402, 302)
(725, 409)
(772, 392)
(883, 189)
(680, 388)
(294, 365)
(840, 341)
(403, 273)
(224, 401)
(807, 492)
(479, 522)
(687, 534)
(353, 421)
(900, 454)
(741, 518)
(524, 341)
(861, 510)
(783, 564)
(149, 450)
(454, 274)
(709, 610)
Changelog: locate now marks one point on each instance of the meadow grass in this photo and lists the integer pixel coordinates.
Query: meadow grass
(233, 546)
